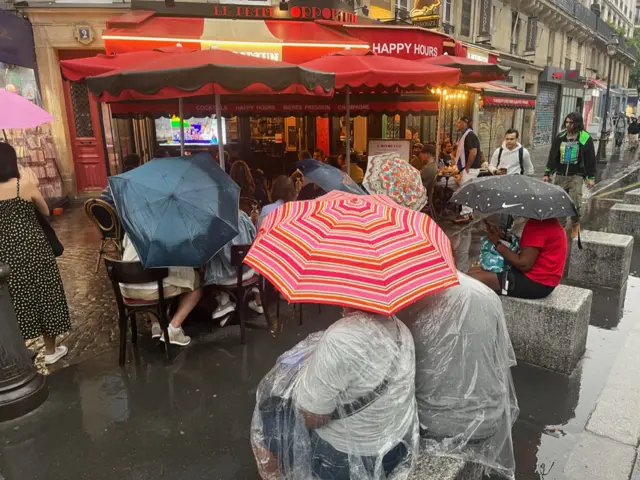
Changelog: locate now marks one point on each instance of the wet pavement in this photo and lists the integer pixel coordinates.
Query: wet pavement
(190, 420)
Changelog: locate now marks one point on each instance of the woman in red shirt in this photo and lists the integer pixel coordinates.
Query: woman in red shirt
(537, 269)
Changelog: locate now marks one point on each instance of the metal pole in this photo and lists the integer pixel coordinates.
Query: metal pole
(22, 388)
(219, 131)
(604, 133)
(347, 132)
(181, 113)
(438, 139)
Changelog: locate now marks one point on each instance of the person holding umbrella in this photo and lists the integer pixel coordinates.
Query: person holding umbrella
(573, 159)
(535, 270)
(341, 404)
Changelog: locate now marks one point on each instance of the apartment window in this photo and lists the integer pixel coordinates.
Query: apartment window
(567, 63)
(515, 32)
(552, 43)
(579, 68)
(447, 11)
(579, 57)
(594, 59)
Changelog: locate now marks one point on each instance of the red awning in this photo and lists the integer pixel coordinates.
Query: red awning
(199, 107)
(369, 72)
(472, 71)
(81, 68)
(500, 96)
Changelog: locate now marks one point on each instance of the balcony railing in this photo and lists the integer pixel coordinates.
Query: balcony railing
(587, 17)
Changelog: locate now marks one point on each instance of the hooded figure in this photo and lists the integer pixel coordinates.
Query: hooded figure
(466, 398)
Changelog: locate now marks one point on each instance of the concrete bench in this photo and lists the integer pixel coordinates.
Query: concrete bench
(445, 468)
(604, 260)
(625, 219)
(550, 332)
(632, 197)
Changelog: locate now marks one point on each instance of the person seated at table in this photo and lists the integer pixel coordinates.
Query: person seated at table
(129, 162)
(318, 155)
(261, 191)
(282, 191)
(219, 271)
(355, 171)
(241, 174)
(464, 389)
(536, 270)
(182, 281)
(340, 405)
(446, 153)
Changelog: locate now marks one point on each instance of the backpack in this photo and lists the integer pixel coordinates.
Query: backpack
(520, 156)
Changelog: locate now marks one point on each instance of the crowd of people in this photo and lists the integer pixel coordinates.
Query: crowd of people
(352, 401)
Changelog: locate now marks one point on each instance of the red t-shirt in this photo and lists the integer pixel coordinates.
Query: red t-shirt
(550, 238)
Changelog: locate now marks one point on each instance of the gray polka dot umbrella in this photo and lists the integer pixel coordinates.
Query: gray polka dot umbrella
(516, 195)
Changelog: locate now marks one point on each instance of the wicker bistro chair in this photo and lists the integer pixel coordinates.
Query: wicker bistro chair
(134, 273)
(104, 216)
(242, 289)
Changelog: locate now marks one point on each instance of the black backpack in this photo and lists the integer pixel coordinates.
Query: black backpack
(520, 156)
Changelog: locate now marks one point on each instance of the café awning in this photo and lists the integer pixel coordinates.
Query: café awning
(500, 96)
(262, 38)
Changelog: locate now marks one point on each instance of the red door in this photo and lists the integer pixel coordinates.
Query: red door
(86, 132)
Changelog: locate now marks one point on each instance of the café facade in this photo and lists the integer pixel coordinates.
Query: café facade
(91, 141)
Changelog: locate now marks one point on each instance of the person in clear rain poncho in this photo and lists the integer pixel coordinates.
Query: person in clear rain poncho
(340, 405)
(464, 389)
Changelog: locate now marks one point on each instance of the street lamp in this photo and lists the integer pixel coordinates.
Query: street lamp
(612, 48)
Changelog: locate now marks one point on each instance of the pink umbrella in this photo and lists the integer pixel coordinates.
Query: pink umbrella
(18, 112)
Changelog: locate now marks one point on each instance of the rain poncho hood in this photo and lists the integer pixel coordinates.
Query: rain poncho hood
(466, 398)
(359, 376)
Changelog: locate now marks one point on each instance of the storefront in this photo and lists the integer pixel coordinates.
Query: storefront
(35, 147)
(499, 109)
(560, 92)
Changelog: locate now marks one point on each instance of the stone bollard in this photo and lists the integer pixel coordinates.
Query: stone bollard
(625, 219)
(632, 197)
(604, 260)
(22, 388)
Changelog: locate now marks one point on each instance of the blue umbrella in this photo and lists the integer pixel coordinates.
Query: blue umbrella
(177, 211)
(327, 177)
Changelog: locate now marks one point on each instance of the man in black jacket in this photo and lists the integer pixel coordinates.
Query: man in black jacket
(573, 159)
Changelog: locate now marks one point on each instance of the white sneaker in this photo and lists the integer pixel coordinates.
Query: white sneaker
(255, 307)
(177, 337)
(223, 309)
(60, 352)
(156, 330)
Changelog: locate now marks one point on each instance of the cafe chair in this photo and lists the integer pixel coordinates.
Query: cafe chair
(134, 273)
(242, 289)
(104, 216)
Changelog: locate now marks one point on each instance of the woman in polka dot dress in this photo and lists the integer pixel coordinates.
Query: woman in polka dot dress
(34, 284)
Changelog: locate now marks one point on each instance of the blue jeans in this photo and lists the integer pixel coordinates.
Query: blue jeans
(278, 420)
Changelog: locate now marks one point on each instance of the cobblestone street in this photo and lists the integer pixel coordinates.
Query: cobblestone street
(90, 296)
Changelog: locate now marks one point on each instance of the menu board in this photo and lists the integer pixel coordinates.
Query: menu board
(379, 146)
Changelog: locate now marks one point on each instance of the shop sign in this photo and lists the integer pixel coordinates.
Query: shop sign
(484, 27)
(426, 13)
(403, 49)
(279, 109)
(381, 146)
(553, 75)
(532, 35)
(477, 55)
(251, 10)
(508, 102)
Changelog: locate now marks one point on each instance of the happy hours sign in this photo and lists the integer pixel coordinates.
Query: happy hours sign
(404, 49)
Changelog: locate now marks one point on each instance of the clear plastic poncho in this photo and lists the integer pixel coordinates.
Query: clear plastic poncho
(340, 405)
(466, 399)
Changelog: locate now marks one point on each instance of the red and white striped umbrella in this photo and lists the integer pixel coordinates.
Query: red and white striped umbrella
(359, 251)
